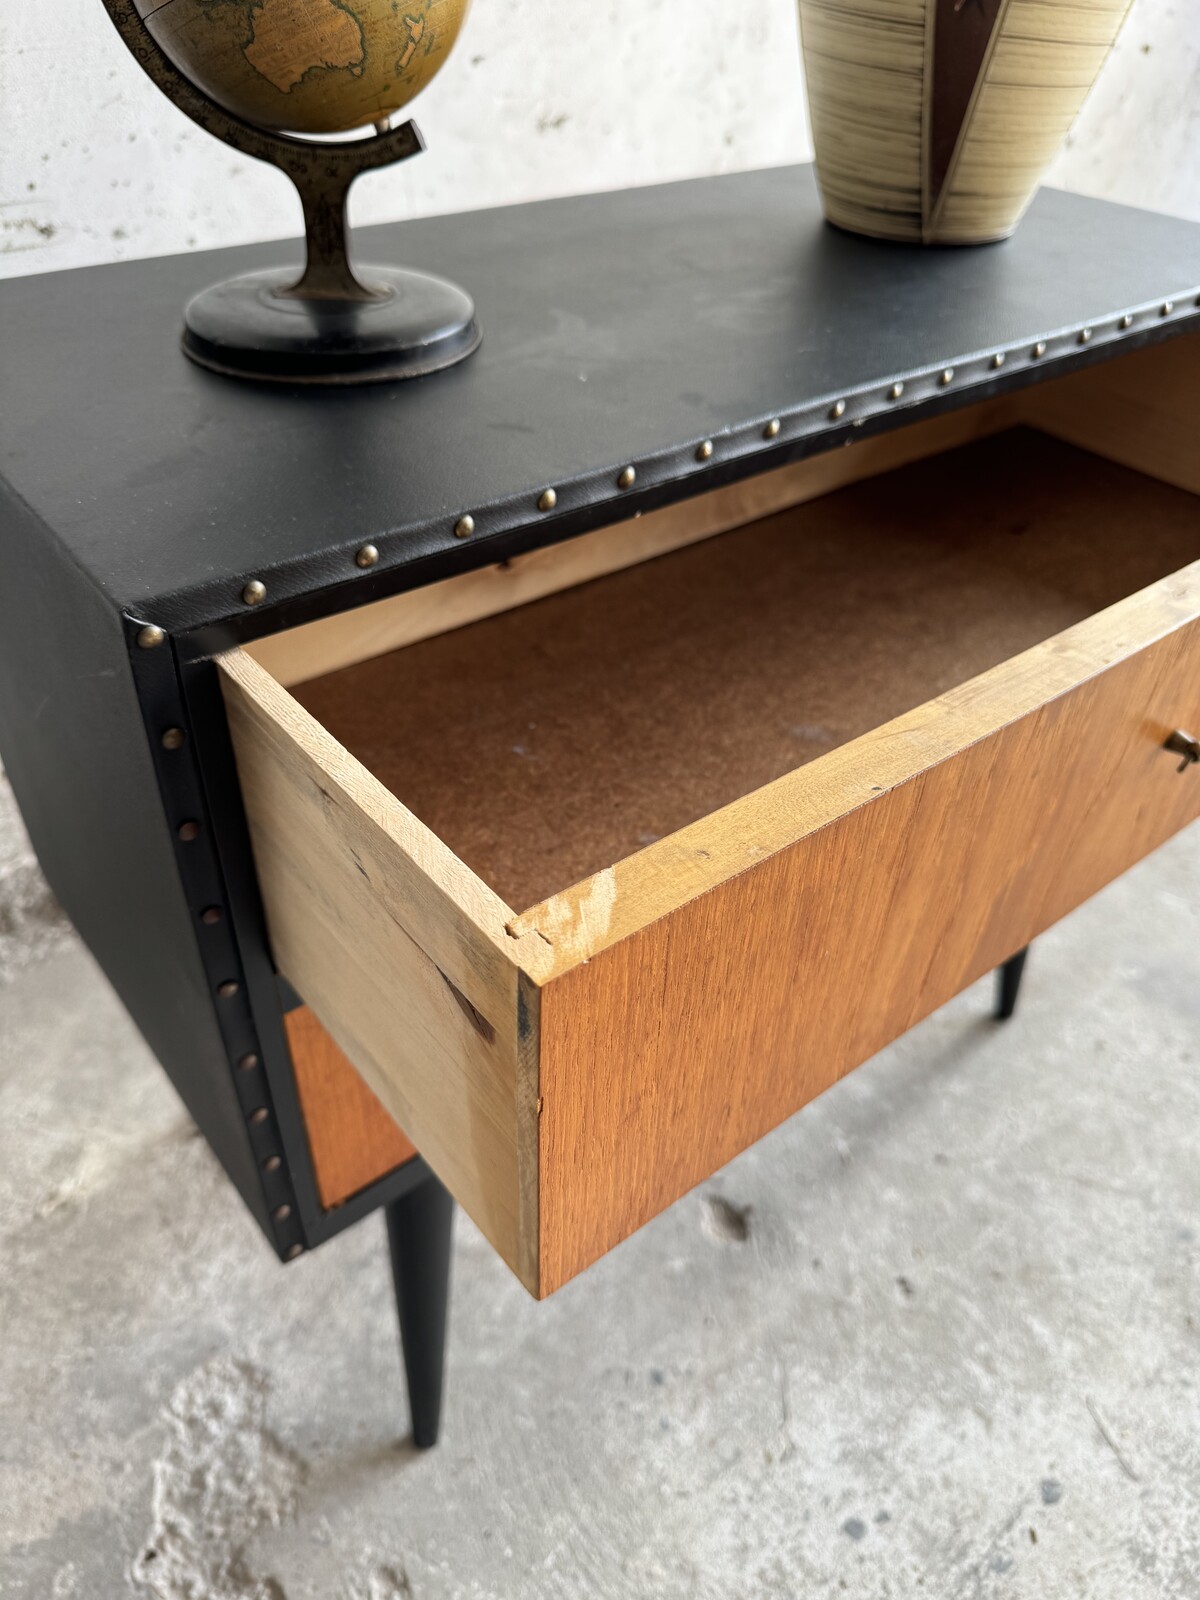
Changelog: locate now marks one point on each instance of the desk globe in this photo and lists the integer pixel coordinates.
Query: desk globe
(307, 66)
(270, 77)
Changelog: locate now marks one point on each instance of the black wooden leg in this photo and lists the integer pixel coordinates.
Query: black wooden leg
(419, 1226)
(1008, 984)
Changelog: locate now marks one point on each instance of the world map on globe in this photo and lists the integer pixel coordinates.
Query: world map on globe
(307, 66)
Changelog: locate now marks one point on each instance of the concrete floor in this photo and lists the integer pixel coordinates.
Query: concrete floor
(952, 1352)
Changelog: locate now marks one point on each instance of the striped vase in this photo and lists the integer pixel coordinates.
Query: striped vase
(933, 120)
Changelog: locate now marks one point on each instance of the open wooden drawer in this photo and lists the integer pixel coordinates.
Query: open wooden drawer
(595, 891)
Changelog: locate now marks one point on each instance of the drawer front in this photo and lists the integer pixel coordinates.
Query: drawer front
(670, 1050)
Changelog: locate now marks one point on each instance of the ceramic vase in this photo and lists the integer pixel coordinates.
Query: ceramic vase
(934, 120)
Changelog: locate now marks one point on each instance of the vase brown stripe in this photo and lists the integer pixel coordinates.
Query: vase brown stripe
(961, 35)
(934, 120)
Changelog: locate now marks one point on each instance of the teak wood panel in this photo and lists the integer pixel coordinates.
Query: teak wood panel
(352, 1140)
(898, 870)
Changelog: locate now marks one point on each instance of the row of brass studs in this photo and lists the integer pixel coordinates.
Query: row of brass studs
(258, 1116)
(465, 526)
(367, 555)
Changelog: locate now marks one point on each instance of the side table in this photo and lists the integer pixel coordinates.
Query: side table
(569, 765)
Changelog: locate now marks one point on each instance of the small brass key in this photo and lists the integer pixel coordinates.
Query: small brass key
(1185, 745)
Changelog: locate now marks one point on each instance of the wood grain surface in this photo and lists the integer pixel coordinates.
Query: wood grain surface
(920, 856)
(400, 951)
(351, 1138)
(1141, 410)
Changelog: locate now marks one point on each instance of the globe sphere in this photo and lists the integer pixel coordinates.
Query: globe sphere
(307, 66)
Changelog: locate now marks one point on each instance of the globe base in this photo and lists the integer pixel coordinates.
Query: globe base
(252, 327)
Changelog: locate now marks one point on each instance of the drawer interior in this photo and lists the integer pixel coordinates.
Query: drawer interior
(548, 742)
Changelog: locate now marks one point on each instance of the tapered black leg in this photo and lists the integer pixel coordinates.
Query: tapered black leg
(419, 1227)
(1008, 984)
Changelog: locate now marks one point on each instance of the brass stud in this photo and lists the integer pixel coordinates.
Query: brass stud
(189, 831)
(837, 410)
(895, 391)
(547, 500)
(272, 1163)
(294, 1251)
(255, 592)
(771, 431)
(281, 1213)
(946, 376)
(228, 989)
(172, 739)
(257, 1118)
(211, 915)
(1039, 349)
(464, 527)
(1166, 308)
(151, 636)
(627, 478)
(1126, 321)
(367, 556)
(998, 360)
(1085, 336)
(248, 1062)
(704, 450)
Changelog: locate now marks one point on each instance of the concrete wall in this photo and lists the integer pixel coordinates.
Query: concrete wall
(542, 97)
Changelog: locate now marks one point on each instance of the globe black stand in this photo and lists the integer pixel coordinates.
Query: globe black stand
(329, 325)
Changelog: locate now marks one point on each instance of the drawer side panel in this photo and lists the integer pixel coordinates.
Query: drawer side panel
(398, 949)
